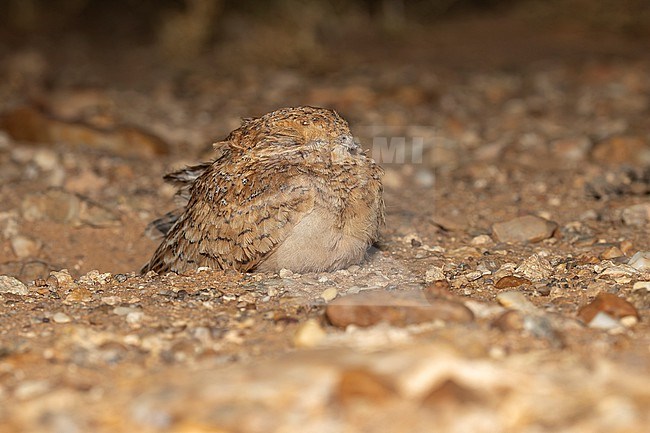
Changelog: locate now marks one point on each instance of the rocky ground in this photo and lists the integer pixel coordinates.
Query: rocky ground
(510, 291)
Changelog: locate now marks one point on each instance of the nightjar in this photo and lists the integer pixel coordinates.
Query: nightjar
(290, 189)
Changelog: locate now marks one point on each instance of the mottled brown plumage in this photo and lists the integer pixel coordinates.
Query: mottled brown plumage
(290, 189)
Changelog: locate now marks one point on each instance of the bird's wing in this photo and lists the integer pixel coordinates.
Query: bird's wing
(235, 218)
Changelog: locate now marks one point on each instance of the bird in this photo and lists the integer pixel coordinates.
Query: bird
(290, 189)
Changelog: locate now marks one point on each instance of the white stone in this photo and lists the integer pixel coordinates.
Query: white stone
(309, 334)
(61, 318)
(640, 261)
(604, 321)
(641, 285)
(329, 294)
(12, 285)
(434, 274)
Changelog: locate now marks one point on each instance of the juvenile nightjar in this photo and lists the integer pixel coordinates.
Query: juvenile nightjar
(290, 189)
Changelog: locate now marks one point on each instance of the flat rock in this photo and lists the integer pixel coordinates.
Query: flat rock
(637, 215)
(12, 285)
(511, 281)
(640, 261)
(398, 309)
(528, 228)
(609, 304)
(535, 268)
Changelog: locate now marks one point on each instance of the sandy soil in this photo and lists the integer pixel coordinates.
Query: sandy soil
(514, 122)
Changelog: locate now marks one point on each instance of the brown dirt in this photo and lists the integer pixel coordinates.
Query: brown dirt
(505, 112)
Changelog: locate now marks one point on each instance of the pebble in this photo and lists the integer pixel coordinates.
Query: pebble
(111, 300)
(309, 334)
(473, 276)
(123, 311)
(329, 294)
(61, 318)
(613, 305)
(12, 285)
(79, 294)
(434, 274)
(529, 228)
(604, 321)
(481, 240)
(637, 215)
(641, 285)
(398, 309)
(516, 301)
(627, 246)
(134, 317)
(62, 279)
(611, 253)
(285, 273)
(94, 276)
(24, 246)
(535, 268)
(511, 281)
(640, 261)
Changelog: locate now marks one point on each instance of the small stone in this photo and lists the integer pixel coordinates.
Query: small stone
(629, 321)
(637, 215)
(535, 268)
(640, 261)
(79, 294)
(641, 285)
(134, 317)
(511, 281)
(61, 318)
(434, 274)
(473, 276)
(614, 271)
(329, 294)
(516, 301)
(123, 311)
(46, 159)
(604, 321)
(111, 300)
(398, 309)
(527, 228)
(481, 240)
(95, 276)
(23, 246)
(12, 285)
(627, 246)
(285, 273)
(611, 253)
(607, 303)
(62, 279)
(309, 334)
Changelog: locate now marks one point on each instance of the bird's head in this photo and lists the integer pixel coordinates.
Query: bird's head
(300, 131)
